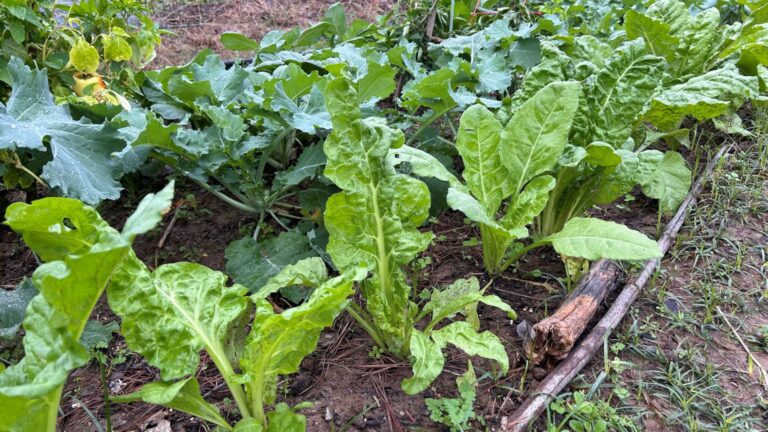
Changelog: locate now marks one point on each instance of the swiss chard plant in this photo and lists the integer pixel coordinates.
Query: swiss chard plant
(374, 222)
(201, 312)
(622, 92)
(81, 255)
(507, 170)
(168, 315)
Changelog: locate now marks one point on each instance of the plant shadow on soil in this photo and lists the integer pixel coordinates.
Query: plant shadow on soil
(347, 385)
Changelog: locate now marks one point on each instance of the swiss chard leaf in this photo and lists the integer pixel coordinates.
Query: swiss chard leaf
(373, 220)
(177, 302)
(593, 239)
(182, 395)
(83, 255)
(703, 97)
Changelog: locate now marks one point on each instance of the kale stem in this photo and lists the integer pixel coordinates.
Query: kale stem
(424, 126)
(17, 163)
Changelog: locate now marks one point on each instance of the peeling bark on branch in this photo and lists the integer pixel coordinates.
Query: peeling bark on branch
(554, 336)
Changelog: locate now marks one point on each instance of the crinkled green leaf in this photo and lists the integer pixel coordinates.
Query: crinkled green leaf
(278, 343)
(593, 239)
(672, 12)
(310, 272)
(82, 164)
(249, 424)
(148, 214)
(28, 389)
(463, 336)
(572, 156)
(84, 254)
(751, 43)
(423, 164)
(373, 221)
(529, 203)
(182, 395)
(283, 419)
(703, 97)
(57, 227)
(602, 154)
(619, 180)
(171, 314)
(699, 38)
(454, 298)
(427, 363)
(552, 68)
(656, 33)
(617, 95)
(668, 179)
(476, 212)
(730, 124)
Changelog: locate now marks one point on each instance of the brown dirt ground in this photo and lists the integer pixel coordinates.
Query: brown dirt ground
(197, 25)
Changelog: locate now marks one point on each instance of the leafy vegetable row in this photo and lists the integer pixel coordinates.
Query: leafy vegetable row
(542, 138)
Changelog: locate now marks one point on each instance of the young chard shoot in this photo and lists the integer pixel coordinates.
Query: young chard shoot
(373, 222)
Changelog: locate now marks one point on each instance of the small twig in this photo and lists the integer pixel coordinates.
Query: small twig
(431, 19)
(763, 373)
(550, 289)
(394, 424)
(88, 413)
(170, 225)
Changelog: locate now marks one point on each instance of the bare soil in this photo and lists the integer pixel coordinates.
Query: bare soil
(197, 25)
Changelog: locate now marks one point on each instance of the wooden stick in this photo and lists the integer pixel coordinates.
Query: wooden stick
(556, 381)
(554, 336)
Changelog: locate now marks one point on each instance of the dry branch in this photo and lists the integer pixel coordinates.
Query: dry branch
(556, 381)
(554, 336)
